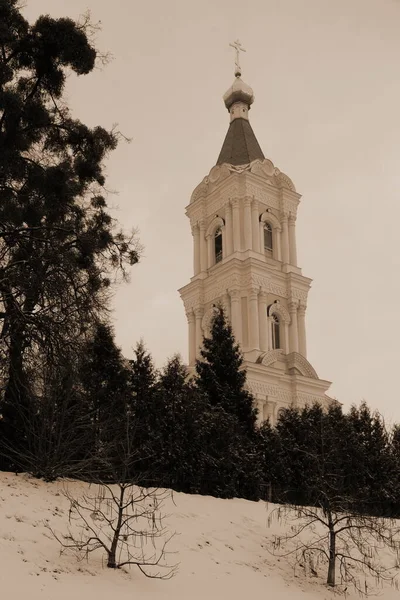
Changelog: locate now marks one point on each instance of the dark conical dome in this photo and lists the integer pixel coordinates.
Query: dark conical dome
(240, 146)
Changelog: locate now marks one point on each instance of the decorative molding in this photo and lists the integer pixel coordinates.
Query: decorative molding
(277, 309)
(238, 168)
(296, 360)
(262, 296)
(285, 396)
(263, 168)
(293, 305)
(198, 311)
(213, 226)
(234, 295)
(297, 294)
(270, 218)
(218, 174)
(303, 399)
(270, 357)
(302, 309)
(266, 389)
(197, 213)
(200, 191)
(289, 206)
(284, 180)
(222, 198)
(195, 229)
(190, 315)
(261, 195)
(221, 287)
(277, 290)
(192, 301)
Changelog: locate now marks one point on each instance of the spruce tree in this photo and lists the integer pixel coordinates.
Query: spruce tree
(310, 461)
(220, 375)
(372, 467)
(104, 379)
(231, 455)
(177, 425)
(142, 383)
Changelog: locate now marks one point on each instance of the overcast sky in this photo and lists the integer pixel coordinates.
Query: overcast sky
(326, 77)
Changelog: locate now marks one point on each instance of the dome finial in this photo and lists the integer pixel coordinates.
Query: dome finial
(240, 96)
(238, 48)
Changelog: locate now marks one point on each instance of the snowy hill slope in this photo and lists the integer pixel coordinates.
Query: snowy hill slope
(220, 546)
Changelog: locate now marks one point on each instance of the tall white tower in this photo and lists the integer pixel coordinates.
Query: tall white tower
(243, 220)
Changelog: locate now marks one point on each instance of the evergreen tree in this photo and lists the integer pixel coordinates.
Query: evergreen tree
(142, 383)
(220, 375)
(177, 425)
(231, 451)
(395, 480)
(372, 468)
(58, 243)
(311, 447)
(104, 378)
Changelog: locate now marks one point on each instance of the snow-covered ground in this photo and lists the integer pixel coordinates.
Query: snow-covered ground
(220, 547)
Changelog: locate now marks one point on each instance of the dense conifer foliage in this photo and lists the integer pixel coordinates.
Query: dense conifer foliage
(314, 457)
(59, 246)
(220, 375)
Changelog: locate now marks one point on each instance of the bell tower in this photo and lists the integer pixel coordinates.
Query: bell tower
(243, 220)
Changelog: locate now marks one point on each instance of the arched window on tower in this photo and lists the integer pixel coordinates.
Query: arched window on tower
(218, 245)
(268, 245)
(276, 334)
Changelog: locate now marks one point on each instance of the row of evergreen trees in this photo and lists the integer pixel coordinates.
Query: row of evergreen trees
(108, 418)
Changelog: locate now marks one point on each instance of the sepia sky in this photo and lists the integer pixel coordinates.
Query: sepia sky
(326, 77)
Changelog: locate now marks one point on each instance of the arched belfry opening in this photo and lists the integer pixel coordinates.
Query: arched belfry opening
(218, 245)
(268, 241)
(275, 332)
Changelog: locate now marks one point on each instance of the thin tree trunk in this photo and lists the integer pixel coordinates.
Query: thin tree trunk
(112, 562)
(332, 557)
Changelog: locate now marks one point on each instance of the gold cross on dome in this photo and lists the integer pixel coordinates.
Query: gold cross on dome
(238, 48)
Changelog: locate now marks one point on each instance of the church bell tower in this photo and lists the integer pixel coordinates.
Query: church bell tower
(243, 220)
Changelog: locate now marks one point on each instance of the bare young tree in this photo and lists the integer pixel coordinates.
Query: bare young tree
(119, 517)
(338, 518)
(124, 521)
(357, 545)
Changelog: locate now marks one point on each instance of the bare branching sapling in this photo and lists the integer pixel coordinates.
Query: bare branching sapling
(360, 546)
(124, 521)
